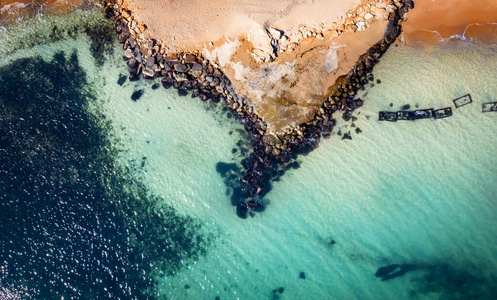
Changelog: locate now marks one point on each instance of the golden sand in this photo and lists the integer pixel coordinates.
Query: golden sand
(435, 21)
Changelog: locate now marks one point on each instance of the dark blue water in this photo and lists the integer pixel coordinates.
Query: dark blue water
(73, 222)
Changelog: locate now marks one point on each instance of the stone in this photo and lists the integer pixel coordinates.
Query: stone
(150, 61)
(391, 8)
(346, 136)
(180, 77)
(346, 116)
(195, 93)
(171, 57)
(215, 81)
(128, 53)
(121, 80)
(132, 63)
(368, 16)
(182, 92)
(137, 95)
(132, 77)
(167, 82)
(242, 210)
(204, 97)
(217, 73)
(148, 73)
(149, 44)
(276, 33)
(196, 70)
(180, 68)
(190, 58)
(361, 25)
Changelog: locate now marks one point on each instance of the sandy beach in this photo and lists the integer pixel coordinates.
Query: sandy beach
(192, 25)
(435, 22)
(284, 57)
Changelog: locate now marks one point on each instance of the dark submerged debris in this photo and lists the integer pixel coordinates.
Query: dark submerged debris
(393, 271)
(122, 79)
(302, 275)
(137, 95)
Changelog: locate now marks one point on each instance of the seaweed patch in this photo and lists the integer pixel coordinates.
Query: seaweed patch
(74, 222)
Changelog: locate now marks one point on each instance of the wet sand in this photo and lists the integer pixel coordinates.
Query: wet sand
(18, 10)
(435, 22)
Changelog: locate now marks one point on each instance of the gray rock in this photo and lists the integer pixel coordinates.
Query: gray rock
(128, 53)
(180, 68)
(150, 61)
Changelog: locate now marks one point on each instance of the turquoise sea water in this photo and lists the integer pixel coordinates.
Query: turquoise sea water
(420, 195)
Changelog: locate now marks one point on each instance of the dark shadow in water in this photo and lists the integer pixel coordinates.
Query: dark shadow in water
(450, 282)
(232, 175)
(393, 271)
(443, 280)
(73, 222)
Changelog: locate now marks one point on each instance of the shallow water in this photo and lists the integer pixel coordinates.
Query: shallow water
(418, 194)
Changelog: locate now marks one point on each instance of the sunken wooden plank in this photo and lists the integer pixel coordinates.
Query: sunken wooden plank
(463, 100)
(423, 113)
(442, 113)
(488, 107)
(387, 116)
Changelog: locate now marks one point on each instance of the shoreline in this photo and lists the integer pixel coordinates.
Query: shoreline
(272, 153)
(434, 23)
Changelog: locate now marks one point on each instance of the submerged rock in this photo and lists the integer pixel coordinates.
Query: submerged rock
(122, 79)
(137, 95)
(242, 210)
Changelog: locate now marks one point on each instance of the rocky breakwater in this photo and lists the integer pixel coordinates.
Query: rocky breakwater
(275, 144)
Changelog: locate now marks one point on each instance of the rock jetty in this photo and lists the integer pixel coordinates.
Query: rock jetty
(191, 73)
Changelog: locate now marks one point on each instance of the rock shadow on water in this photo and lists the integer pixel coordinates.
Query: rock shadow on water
(76, 224)
(444, 280)
(393, 271)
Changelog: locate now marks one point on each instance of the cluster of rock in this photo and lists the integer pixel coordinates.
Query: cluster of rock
(356, 20)
(272, 152)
